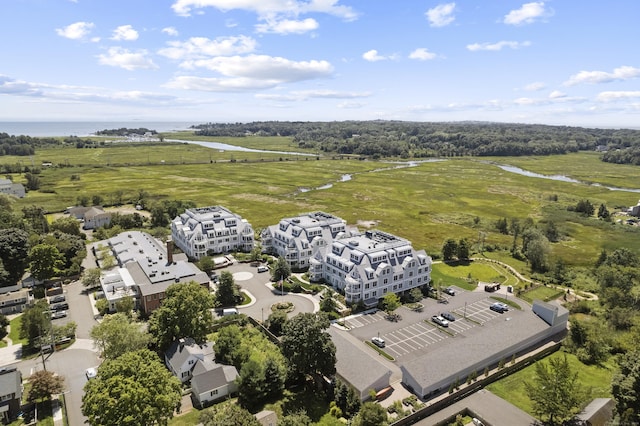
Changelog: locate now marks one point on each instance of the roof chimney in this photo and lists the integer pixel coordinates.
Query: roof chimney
(181, 344)
(169, 251)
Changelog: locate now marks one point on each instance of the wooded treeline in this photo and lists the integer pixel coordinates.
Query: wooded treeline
(417, 139)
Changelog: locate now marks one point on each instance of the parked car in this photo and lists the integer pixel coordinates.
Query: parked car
(448, 316)
(263, 268)
(450, 291)
(438, 319)
(57, 299)
(378, 341)
(499, 307)
(60, 306)
(91, 373)
(58, 314)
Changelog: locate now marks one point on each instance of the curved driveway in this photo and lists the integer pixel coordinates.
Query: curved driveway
(263, 296)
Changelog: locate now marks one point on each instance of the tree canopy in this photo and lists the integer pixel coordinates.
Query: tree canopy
(307, 345)
(14, 249)
(131, 390)
(555, 391)
(185, 312)
(227, 414)
(117, 334)
(43, 384)
(45, 261)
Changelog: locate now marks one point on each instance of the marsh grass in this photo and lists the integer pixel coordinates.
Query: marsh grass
(426, 204)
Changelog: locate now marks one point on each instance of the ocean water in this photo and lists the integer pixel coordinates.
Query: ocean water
(84, 128)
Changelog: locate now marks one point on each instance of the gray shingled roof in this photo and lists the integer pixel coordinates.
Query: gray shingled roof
(177, 357)
(356, 366)
(214, 378)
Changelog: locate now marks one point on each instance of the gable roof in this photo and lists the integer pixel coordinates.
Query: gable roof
(10, 381)
(183, 349)
(212, 376)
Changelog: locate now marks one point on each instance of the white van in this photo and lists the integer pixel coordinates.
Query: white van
(229, 311)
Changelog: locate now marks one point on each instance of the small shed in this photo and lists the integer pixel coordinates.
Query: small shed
(598, 413)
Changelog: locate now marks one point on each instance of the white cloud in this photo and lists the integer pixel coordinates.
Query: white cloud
(124, 32)
(266, 8)
(123, 58)
(202, 47)
(372, 56)
(75, 31)
(535, 86)
(350, 105)
(287, 26)
(441, 15)
(498, 46)
(303, 95)
(556, 94)
(171, 31)
(617, 95)
(422, 54)
(527, 14)
(592, 77)
(251, 72)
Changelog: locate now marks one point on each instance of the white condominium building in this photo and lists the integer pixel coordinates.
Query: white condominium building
(209, 230)
(367, 266)
(297, 239)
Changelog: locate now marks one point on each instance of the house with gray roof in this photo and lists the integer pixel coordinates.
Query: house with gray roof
(15, 302)
(205, 231)
(182, 355)
(10, 393)
(358, 368)
(297, 238)
(212, 381)
(145, 269)
(10, 188)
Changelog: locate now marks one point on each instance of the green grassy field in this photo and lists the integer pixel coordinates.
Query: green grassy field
(596, 380)
(460, 198)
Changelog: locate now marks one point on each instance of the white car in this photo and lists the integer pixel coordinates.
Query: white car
(263, 268)
(440, 321)
(91, 373)
(378, 341)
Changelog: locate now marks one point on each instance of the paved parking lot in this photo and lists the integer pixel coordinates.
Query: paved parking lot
(415, 332)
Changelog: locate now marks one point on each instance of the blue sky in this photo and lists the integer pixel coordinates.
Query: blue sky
(570, 62)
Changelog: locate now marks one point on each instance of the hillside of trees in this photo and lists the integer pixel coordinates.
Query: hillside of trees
(417, 139)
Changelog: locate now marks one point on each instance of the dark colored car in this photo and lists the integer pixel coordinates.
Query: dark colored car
(57, 299)
(450, 291)
(448, 316)
(60, 306)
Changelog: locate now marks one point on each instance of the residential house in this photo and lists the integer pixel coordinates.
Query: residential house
(182, 355)
(209, 230)
(212, 381)
(296, 239)
(16, 301)
(369, 265)
(10, 188)
(196, 364)
(144, 269)
(10, 393)
(92, 217)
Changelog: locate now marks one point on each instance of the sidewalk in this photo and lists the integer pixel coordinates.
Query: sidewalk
(56, 409)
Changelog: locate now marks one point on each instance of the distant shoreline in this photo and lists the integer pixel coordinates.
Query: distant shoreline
(85, 128)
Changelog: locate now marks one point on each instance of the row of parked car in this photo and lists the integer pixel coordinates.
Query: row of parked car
(58, 306)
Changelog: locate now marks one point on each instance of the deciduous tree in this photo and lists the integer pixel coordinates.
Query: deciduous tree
(227, 414)
(185, 312)
(625, 388)
(14, 249)
(117, 334)
(307, 345)
(44, 261)
(226, 291)
(131, 390)
(555, 391)
(449, 249)
(281, 270)
(36, 324)
(43, 384)
(370, 414)
(91, 277)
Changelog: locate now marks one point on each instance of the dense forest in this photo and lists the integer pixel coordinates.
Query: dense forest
(418, 139)
(123, 131)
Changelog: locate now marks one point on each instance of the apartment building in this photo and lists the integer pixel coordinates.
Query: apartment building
(296, 239)
(205, 231)
(368, 265)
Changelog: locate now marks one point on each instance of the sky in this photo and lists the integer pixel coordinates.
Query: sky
(563, 62)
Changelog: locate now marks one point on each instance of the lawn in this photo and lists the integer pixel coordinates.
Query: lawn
(595, 379)
(14, 334)
(472, 271)
(543, 293)
(189, 419)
